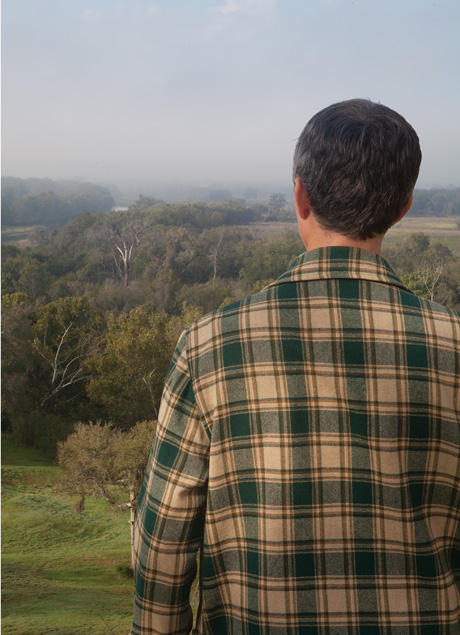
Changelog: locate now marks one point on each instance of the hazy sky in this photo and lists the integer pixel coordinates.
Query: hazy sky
(201, 90)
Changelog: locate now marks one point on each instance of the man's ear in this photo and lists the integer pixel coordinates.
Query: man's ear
(404, 212)
(302, 204)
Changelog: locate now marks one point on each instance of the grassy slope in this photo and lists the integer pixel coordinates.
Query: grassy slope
(59, 572)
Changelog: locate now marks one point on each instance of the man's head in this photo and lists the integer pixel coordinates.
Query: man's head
(358, 162)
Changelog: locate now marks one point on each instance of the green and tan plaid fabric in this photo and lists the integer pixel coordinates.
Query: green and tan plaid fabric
(308, 442)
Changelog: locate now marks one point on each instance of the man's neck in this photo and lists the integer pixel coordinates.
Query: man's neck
(315, 236)
(337, 240)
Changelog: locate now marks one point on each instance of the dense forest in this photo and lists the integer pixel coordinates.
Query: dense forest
(92, 311)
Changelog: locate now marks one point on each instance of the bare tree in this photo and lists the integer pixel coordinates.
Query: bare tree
(215, 251)
(430, 272)
(124, 233)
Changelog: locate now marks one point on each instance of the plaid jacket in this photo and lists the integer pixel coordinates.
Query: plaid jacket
(308, 443)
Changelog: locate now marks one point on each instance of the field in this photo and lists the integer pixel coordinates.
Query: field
(444, 230)
(59, 566)
(59, 573)
(20, 235)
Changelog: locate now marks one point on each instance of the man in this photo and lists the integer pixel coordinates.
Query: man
(308, 438)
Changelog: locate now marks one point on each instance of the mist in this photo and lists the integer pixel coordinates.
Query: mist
(216, 92)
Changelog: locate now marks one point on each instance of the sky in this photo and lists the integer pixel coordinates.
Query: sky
(204, 91)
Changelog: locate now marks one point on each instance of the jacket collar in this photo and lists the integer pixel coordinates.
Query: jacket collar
(329, 263)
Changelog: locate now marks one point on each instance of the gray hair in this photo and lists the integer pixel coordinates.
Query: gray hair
(358, 162)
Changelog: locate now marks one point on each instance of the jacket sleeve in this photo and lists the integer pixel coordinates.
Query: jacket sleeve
(170, 517)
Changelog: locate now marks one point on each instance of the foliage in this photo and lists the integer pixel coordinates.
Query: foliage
(129, 370)
(40, 429)
(88, 457)
(267, 260)
(427, 268)
(19, 362)
(123, 234)
(97, 458)
(213, 294)
(9, 299)
(90, 313)
(124, 571)
(414, 282)
(34, 278)
(65, 334)
(132, 456)
(277, 201)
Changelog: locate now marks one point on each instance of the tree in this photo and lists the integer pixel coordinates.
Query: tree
(448, 288)
(146, 202)
(215, 251)
(65, 334)
(9, 299)
(277, 201)
(128, 373)
(414, 282)
(34, 279)
(11, 272)
(18, 359)
(415, 249)
(123, 232)
(428, 268)
(267, 259)
(104, 461)
(183, 249)
(222, 245)
(213, 294)
(163, 288)
(430, 271)
(131, 461)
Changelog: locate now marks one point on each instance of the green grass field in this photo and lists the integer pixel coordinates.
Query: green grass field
(59, 566)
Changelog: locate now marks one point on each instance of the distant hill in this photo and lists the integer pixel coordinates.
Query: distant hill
(50, 203)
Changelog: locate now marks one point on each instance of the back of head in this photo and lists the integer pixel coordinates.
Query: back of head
(358, 162)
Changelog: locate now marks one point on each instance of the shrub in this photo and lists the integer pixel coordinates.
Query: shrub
(124, 571)
(41, 430)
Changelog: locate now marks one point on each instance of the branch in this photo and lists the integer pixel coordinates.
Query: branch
(149, 387)
(430, 272)
(61, 387)
(53, 363)
(103, 492)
